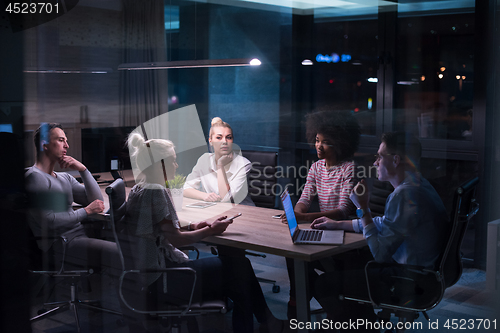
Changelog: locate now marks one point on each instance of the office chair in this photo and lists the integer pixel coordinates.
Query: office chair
(379, 192)
(46, 267)
(262, 177)
(413, 289)
(378, 196)
(135, 302)
(75, 277)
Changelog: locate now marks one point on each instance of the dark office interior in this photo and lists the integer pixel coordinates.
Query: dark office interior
(424, 67)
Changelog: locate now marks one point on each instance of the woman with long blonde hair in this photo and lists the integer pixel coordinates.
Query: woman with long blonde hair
(155, 233)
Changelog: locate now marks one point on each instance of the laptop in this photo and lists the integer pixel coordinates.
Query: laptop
(308, 236)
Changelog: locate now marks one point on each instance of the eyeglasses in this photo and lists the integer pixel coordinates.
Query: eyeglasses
(379, 156)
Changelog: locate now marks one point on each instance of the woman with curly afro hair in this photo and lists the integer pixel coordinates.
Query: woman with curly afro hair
(335, 135)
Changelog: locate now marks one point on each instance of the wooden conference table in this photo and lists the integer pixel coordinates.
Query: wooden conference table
(257, 230)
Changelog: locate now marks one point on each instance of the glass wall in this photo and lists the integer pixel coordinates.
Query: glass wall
(405, 65)
(434, 91)
(434, 81)
(344, 70)
(395, 67)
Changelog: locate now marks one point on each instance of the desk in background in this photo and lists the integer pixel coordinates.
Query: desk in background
(105, 178)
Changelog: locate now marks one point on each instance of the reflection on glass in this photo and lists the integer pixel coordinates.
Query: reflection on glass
(434, 69)
(345, 69)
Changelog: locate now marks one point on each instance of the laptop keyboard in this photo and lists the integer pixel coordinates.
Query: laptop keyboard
(310, 235)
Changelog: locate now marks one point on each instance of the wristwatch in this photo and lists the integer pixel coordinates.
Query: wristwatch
(360, 212)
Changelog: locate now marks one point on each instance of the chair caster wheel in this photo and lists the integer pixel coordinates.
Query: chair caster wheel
(276, 289)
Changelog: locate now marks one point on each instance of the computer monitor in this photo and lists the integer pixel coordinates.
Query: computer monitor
(6, 128)
(104, 148)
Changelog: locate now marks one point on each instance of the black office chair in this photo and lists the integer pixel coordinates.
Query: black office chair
(45, 266)
(378, 196)
(379, 192)
(262, 177)
(410, 289)
(136, 303)
(76, 278)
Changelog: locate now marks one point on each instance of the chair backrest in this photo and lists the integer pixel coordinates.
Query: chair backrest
(464, 208)
(262, 177)
(378, 196)
(117, 211)
(130, 288)
(118, 215)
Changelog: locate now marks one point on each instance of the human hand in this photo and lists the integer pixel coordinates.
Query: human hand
(224, 160)
(211, 197)
(199, 225)
(220, 225)
(95, 207)
(360, 194)
(302, 217)
(71, 163)
(324, 223)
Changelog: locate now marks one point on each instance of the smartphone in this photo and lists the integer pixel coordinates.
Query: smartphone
(201, 204)
(277, 216)
(114, 163)
(235, 216)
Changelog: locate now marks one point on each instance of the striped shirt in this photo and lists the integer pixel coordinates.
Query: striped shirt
(333, 187)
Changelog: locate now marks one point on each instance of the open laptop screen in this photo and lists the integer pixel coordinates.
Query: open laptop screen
(290, 214)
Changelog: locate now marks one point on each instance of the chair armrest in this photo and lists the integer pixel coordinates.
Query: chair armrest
(72, 273)
(373, 263)
(61, 272)
(400, 270)
(191, 248)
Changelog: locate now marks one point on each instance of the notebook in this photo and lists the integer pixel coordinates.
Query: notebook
(308, 236)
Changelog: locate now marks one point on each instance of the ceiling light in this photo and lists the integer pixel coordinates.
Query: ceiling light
(191, 64)
(307, 62)
(255, 62)
(67, 70)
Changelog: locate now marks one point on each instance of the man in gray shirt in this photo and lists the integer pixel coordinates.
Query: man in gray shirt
(59, 191)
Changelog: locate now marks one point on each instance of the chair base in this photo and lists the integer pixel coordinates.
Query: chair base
(276, 288)
(72, 305)
(403, 317)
